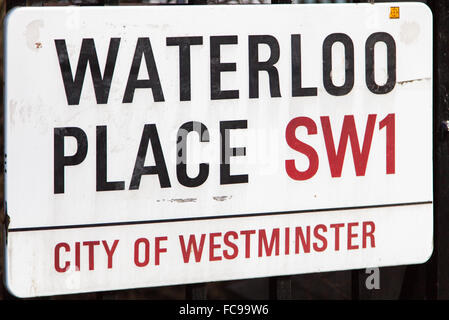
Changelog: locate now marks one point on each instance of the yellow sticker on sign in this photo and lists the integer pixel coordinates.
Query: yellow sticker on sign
(394, 12)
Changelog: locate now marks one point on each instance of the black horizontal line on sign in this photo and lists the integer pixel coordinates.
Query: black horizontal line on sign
(243, 215)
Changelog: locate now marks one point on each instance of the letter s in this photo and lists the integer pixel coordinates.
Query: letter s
(302, 147)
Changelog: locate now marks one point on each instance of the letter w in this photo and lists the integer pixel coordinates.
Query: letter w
(192, 245)
(88, 54)
(348, 132)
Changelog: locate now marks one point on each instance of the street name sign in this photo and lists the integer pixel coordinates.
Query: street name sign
(165, 145)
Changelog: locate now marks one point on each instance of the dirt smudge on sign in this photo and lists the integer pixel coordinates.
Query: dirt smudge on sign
(222, 198)
(178, 200)
(32, 34)
(409, 32)
(411, 81)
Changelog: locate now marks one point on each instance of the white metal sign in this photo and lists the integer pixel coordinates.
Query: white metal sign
(150, 146)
